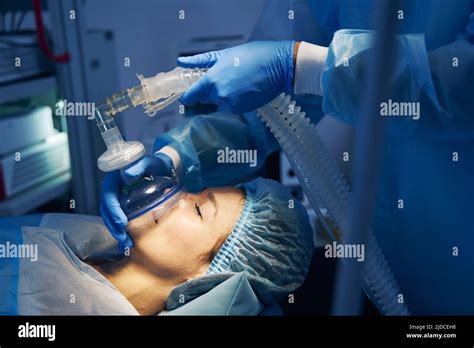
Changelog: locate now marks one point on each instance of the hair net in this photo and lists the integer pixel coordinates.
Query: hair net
(271, 242)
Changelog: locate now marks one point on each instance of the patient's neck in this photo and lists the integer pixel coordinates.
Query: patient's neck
(145, 290)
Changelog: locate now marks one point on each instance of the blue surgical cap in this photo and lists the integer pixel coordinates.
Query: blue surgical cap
(272, 241)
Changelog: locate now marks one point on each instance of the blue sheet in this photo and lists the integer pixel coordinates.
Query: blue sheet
(233, 296)
(228, 295)
(10, 233)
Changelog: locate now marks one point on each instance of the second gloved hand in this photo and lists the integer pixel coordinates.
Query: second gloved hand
(242, 78)
(112, 214)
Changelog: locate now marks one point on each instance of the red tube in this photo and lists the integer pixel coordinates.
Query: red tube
(43, 43)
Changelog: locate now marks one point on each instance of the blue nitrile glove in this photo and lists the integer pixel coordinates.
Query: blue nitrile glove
(114, 218)
(242, 78)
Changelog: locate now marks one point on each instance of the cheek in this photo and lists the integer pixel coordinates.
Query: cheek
(183, 234)
(175, 245)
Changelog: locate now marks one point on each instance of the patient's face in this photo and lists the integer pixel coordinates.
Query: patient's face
(180, 245)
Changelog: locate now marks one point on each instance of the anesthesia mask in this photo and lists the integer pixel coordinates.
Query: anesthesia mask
(148, 200)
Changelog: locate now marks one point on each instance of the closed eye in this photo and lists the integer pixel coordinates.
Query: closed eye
(198, 210)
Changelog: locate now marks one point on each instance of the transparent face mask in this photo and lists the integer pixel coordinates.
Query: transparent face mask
(150, 199)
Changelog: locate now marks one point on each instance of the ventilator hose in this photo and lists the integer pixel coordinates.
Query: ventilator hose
(325, 186)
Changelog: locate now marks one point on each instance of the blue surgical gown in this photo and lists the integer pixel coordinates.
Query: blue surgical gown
(424, 214)
(427, 164)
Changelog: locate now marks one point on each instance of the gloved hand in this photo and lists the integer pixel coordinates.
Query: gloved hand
(242, 78)
(114, 218)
